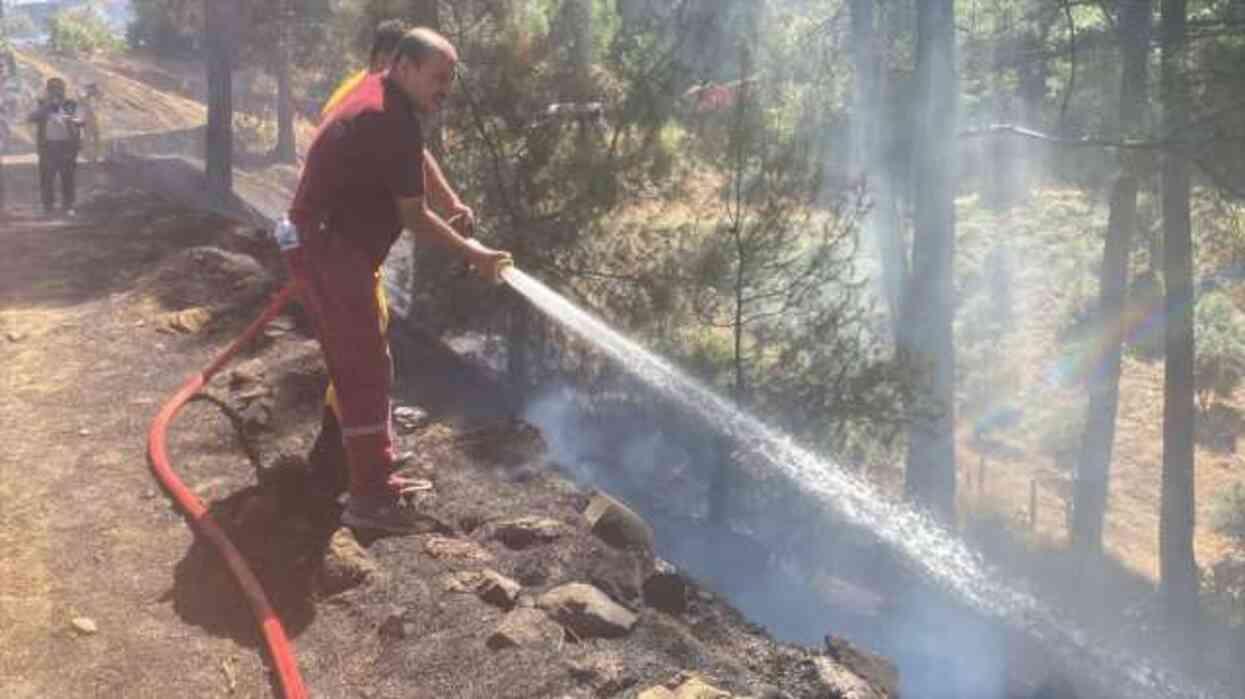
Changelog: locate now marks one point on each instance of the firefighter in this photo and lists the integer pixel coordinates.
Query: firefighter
(327, 457)
(363, 182)
(384, 44)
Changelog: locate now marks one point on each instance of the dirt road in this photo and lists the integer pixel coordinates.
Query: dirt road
(86, 535)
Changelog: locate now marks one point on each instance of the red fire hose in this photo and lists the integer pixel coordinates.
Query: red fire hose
(279, 647)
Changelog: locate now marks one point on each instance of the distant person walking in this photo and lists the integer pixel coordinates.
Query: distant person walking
(58, 139)
(91, 136)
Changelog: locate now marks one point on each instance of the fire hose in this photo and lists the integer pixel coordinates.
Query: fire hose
(279, 648)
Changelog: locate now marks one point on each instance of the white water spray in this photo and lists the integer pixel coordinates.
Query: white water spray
(936, 552)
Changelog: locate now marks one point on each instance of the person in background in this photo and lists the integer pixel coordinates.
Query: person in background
(6, 115)
(87, 108)
(384, 44)
(58, 139)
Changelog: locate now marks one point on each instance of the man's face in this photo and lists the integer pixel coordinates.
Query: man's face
(427, 84)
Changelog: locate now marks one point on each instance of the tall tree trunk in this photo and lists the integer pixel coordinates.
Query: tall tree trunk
(1094, 468)
(1178, 583)
(926, 338)
(286, 150)
(221, 18)
(867, 160)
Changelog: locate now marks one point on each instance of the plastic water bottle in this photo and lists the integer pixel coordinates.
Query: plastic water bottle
(286, 235)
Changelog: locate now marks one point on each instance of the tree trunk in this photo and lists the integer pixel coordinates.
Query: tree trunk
(1093, 471)
(927, 341)
(1094, 468)
(882, 224)
(220, 25)
(1178, 570)
(286, 150)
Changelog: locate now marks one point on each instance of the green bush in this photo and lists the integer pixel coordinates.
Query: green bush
(1227, 515)
(1219, 327)
(81, 31)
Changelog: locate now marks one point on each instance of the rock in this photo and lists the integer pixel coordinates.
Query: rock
(463, 581)
(525, 627)
(696, 688)
(587, 612)
(346, 564)
(445, 548)
(247, 373)
(256, 415)
(665, 589)
(618, 573)
(878, 675)
(14, 336)
(190, 320)
(396, 626)
(527, 531)
(839, 681)
(685, 686)
(491, 586)
(409, 419)
(84, 432)
(618, 525)
(85, 625)
(498, 590)
(605, 671)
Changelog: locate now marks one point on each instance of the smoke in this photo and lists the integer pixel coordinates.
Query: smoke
(780, 557)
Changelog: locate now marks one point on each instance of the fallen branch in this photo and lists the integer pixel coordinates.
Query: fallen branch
(995, 129)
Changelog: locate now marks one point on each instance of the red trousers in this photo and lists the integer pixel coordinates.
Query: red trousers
(338, 285)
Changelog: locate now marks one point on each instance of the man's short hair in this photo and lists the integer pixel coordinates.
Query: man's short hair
(420, 43)
(386, 38)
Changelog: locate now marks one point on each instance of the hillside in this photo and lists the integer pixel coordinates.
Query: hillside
(514, 590)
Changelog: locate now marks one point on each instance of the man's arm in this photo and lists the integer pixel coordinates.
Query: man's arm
(442, 197)
(427, 226)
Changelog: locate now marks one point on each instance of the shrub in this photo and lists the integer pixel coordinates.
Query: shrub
(1227, 515)
(1220, 331)
(81, 31)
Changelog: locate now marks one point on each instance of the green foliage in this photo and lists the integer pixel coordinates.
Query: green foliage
(82, 31)
(1227, 515)
(1219, 328)
(19, 24)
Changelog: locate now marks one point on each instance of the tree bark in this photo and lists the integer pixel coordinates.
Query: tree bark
(1178, 570)
(220, 27)
(1093, 471)
(882, 223)
(926, 336)
(1094, 467)
(286, 150)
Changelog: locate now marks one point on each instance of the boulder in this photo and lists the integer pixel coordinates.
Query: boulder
(618, 525)
(587, 612)
(525, 627)
(665, 589)
(524, 532)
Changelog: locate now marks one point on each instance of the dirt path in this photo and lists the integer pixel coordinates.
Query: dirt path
(84, 531)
